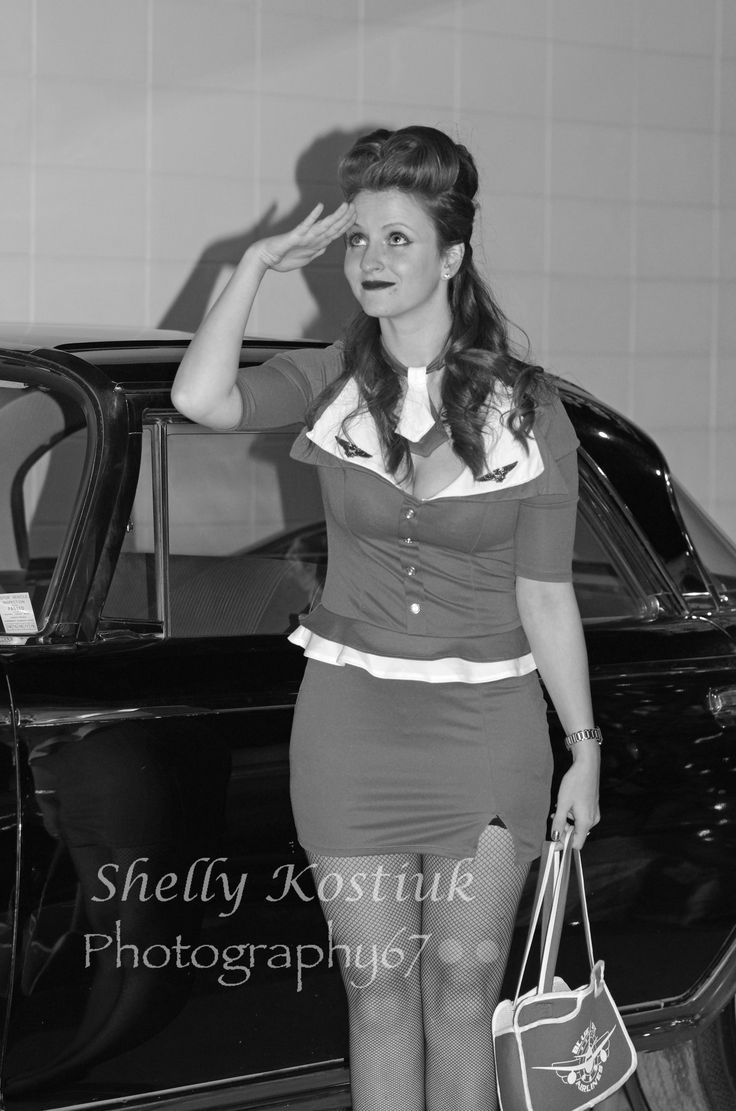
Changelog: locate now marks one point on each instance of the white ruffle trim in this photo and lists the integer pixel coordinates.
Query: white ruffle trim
(449, 669)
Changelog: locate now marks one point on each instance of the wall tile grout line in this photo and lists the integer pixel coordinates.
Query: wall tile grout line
(634, 202)
(549, 61)
(716, 260)
(253, 326)
(360, 69)
(148, 234)
(33, 168)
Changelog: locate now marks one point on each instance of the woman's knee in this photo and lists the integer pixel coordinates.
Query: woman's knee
(381, 996)
(461, 992)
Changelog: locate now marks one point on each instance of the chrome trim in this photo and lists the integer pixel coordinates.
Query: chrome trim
(11, 718)
(159, 468)
(721, 702)
(316, 1076)
(79, 716)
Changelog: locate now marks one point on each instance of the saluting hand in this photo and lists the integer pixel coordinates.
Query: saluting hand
(308, 240)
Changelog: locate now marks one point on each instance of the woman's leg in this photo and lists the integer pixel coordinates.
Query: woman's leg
(462, 969)
(374, 919)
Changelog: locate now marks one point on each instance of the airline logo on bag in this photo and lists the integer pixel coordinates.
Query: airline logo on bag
(585, 1068)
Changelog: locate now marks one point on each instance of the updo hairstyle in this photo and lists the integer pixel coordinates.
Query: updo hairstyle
(442, 176)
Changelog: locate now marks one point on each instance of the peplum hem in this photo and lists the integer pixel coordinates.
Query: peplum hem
(448, 669)
(364, 637)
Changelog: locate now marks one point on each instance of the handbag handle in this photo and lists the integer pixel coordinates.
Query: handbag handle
(552, 890)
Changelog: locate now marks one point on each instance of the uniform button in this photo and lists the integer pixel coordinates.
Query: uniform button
(415, 607)
(409, 513)
(411, 570)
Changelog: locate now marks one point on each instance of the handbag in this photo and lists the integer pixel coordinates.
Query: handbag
(556, 1048)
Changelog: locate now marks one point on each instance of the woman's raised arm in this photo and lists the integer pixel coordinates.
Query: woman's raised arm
(204, 387)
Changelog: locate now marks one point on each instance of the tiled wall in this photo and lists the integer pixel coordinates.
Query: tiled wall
(143, 143)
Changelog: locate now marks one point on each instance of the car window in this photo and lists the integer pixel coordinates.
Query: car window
(716, 550)
(246, 550)
(44, 445)
(604, 586)
(240, 515)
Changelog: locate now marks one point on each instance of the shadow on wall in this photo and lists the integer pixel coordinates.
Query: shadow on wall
(315, 175)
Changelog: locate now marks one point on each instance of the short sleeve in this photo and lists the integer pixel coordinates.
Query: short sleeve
(554, 427)
(545, 529)
(279, 391)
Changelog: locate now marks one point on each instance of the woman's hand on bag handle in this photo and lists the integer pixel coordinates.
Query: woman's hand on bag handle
(204, 388)
(577, 798)
(308, 240)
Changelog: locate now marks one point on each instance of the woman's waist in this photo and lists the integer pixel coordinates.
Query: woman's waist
(448, 669)
(392, 638)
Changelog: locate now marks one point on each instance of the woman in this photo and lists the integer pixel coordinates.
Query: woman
(420, 758)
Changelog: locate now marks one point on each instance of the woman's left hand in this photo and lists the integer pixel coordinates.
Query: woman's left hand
(577, 798)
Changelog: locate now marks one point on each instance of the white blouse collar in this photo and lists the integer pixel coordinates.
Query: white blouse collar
(357, 441)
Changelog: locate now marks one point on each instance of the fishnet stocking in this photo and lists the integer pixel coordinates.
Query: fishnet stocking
(377, 942)
(463, 972)
(422, 944)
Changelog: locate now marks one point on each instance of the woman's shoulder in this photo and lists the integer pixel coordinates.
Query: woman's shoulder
(317, 363)
(550, 417)
(550, 420)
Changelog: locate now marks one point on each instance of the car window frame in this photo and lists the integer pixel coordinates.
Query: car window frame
(36, 372)
(158, 421)
(699, 602)
(621, 536)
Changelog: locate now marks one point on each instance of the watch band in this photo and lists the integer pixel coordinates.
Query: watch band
(593, 734)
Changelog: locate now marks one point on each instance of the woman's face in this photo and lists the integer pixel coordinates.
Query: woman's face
(393, 262)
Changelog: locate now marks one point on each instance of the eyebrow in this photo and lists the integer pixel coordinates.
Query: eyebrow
(390, 224)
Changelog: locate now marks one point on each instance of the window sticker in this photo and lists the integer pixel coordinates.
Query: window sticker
(16, 613)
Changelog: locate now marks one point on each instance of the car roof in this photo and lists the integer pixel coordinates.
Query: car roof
(29, 335)
(128, 354)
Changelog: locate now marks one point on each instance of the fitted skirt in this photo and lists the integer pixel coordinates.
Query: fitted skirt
(394, 766)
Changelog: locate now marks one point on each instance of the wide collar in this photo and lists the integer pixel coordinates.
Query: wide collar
(356, 441)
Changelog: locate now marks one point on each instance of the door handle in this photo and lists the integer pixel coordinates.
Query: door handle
(721, 702)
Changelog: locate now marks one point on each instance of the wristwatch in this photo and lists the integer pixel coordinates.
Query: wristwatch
(593, 734)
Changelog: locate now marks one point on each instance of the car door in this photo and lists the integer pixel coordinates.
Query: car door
(181, 942)
(660, 863)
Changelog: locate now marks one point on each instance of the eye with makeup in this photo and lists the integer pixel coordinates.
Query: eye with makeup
(394, 239)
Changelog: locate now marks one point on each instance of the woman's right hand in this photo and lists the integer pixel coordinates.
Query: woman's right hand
(204, 387)
(308, 240)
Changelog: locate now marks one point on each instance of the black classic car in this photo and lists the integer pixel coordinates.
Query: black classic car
(160, 940)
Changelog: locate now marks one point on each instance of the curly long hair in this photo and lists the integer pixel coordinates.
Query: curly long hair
(442, 176)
